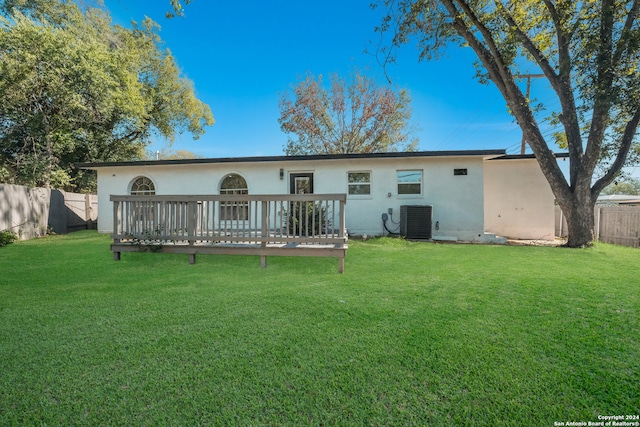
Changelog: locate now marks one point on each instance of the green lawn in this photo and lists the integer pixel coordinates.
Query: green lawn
(410, 334)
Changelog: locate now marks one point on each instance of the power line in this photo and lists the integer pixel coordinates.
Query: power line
(470, 123)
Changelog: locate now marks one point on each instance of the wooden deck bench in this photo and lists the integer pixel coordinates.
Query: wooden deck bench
(264, 225)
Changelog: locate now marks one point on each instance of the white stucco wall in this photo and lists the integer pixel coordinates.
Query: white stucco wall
(519, 203)
(458, 201)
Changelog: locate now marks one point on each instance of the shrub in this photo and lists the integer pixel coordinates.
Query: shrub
(7, 237)
(307, 218)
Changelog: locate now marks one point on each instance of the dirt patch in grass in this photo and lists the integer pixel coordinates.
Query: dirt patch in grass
(555, 242)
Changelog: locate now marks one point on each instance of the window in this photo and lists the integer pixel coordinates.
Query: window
(409, 182)
(143, 210)
(460, 172)
(234, 185)
(142, 186)
(359, 183)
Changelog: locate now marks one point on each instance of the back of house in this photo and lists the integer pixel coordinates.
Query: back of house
(477, 196)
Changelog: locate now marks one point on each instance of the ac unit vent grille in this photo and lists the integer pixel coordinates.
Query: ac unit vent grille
(415, 221)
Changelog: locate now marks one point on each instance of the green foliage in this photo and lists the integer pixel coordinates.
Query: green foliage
(350, 117)
(627, 186)
(7, 237)
(307, 219)
(411, 334)
(76, 88)
(169, 154)
(177, 8)
(589, 53)
(149, 240)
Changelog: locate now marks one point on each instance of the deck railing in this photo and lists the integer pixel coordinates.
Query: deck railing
(206, 220)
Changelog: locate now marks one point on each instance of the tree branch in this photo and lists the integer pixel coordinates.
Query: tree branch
(500, 69)
(500, 74)
(625, 145)
(561, 82)
(625, 36)
(603, 86)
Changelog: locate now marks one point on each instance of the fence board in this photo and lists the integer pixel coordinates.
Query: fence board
(619, 225)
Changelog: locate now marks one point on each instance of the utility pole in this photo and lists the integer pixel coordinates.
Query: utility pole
(528, 77)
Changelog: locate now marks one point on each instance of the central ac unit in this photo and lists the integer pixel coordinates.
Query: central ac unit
(415, 221)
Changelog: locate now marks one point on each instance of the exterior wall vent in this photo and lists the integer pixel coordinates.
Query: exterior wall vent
(415, 221)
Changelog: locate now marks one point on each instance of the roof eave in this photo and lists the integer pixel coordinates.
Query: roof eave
(316, 157)
(527, 156)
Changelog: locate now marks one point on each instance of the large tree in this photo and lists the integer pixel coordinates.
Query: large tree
(349, 117)
(589, 52)
(75, 88)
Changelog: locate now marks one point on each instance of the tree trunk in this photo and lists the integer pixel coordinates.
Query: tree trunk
(579, 213)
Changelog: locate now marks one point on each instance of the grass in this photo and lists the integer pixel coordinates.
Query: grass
(410, 334)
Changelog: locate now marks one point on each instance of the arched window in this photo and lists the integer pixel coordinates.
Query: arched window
(235, 185)
(142, 186)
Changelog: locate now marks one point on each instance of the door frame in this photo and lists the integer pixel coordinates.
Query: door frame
(293, 177)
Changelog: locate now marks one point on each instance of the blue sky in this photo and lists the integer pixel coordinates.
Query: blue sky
(242, 56)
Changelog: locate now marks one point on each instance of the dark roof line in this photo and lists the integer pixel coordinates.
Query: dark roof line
(527, 156)
(403, 154)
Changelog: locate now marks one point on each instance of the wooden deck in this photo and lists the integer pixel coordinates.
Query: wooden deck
(264, 225)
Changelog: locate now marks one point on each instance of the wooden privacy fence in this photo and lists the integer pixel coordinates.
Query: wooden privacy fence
(283, 224)
(619, 225)
(34, 212)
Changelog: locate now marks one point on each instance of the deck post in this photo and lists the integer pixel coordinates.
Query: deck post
(264, 232)
(343, 218)
(116, 254)
(192, 259)
(117, 218)
(192, 222)
(263, 261)
(341, 233)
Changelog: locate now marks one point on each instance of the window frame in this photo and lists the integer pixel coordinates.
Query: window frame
(302, 176)
(137, 192)
(406, 183)
(358, 184)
